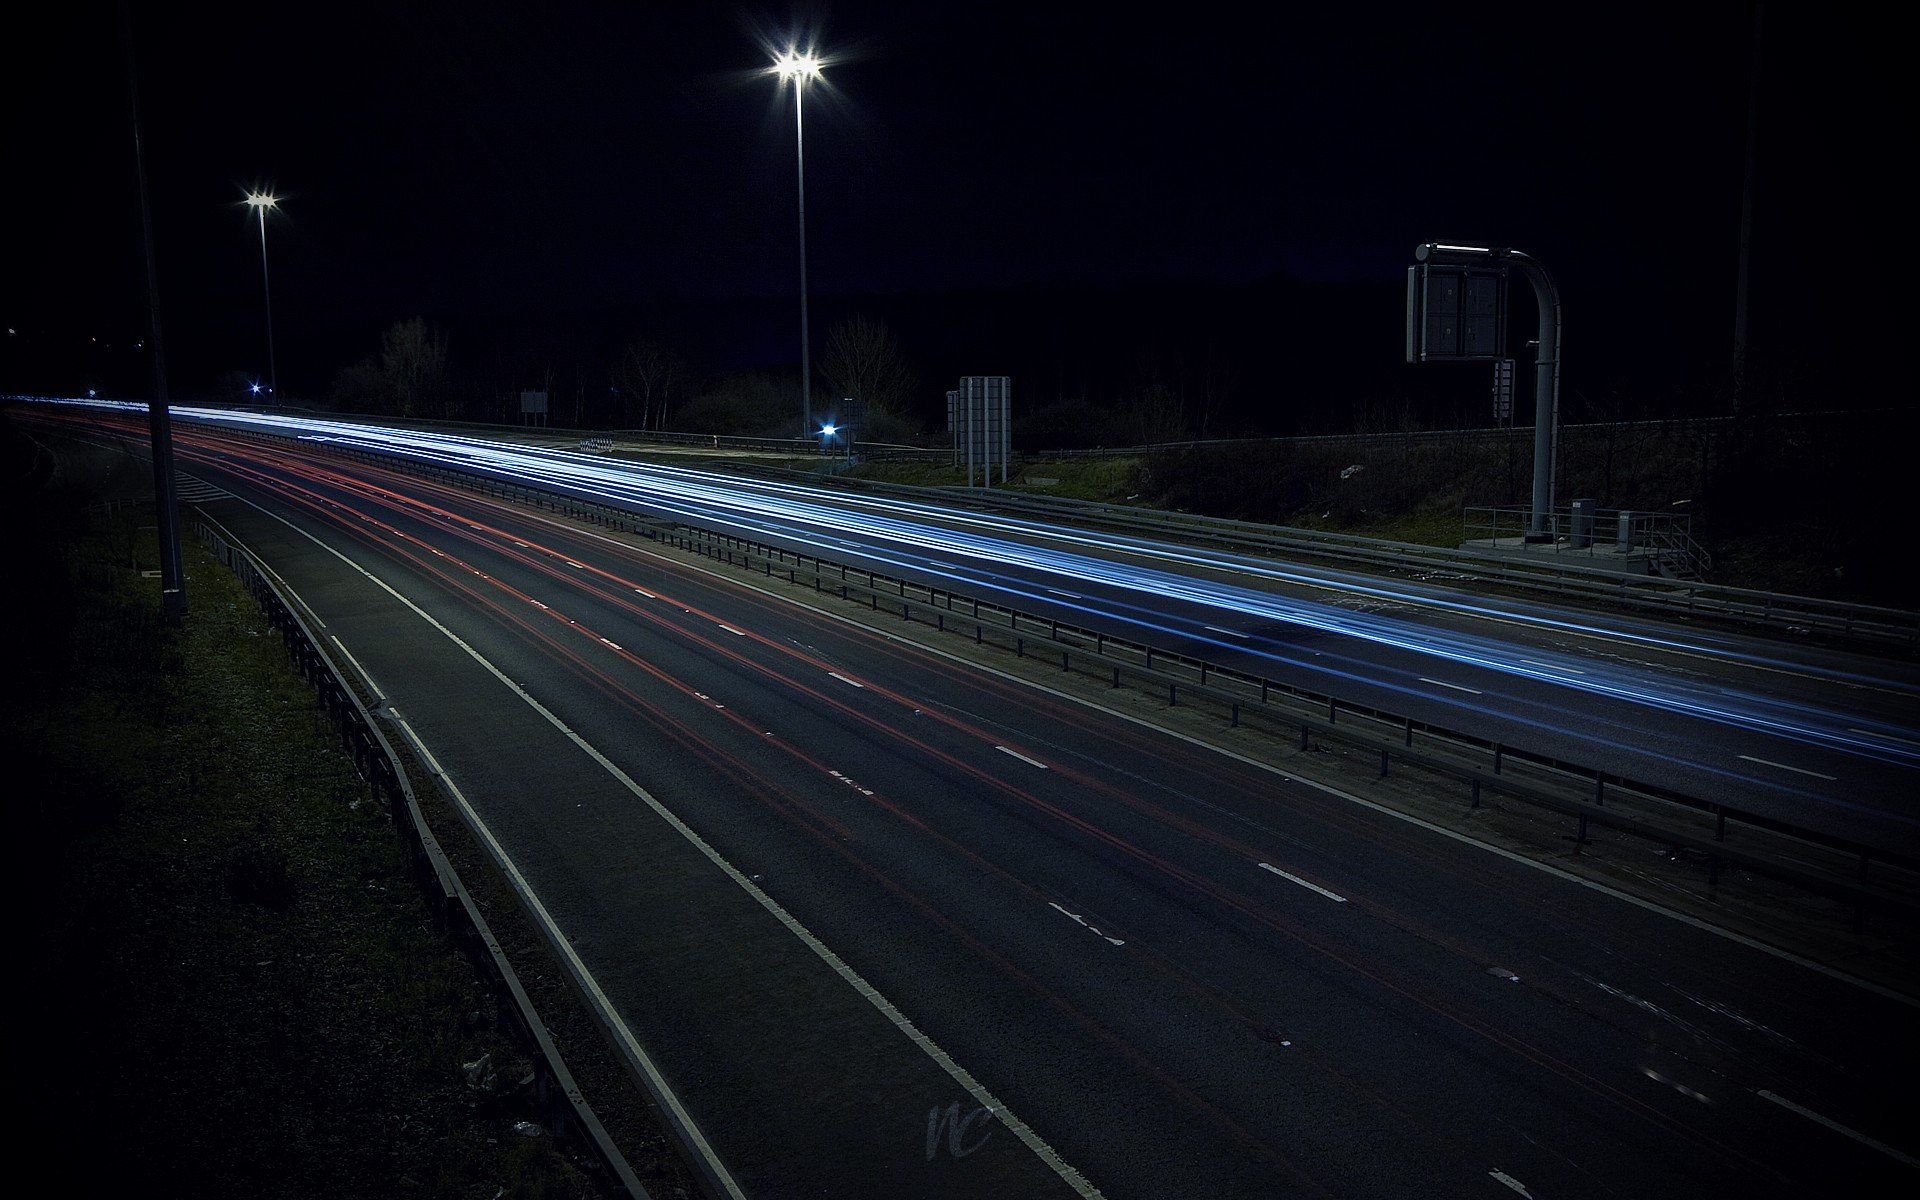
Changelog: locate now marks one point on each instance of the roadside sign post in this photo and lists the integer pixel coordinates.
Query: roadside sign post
(1456, 312)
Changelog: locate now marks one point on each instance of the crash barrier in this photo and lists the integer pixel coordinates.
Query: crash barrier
(562, 1108)
(1864, 877)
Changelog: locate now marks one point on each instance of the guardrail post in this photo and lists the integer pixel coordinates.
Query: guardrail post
(1580, 837)
(1498, 752)
(1333, 712)
(1173, 696)
(1719, 824)
(1409, 732)
(1063, 660)
(1476, 791)
(1236, 714)
(1383, 762)
(1599, 789)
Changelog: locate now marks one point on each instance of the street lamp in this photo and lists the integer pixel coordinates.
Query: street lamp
(261, 202)
(801, 69)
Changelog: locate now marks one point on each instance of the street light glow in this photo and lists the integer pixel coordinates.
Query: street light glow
(827, 430)
(260, 202)
(797, 66)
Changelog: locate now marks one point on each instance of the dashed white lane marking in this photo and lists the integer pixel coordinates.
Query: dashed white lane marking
(1068, 595)
(1032, 762)
(1228, 632)
(1534, 662)
(537, 604)
(523, 545)
(1078, 919)
(615, 645)
(730, 629)
(644, 592)
(1837, 1127)
(844, 679)
(1458, 687)
(1510, 1181)
(1336, 897)
(1766, 762)
(942, 566)
(576, 566)
(1020, 1129)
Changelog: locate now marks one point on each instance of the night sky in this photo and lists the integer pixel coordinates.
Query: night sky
(990, 179)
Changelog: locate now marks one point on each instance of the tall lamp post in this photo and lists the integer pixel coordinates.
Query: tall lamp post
(801, 69)
(261, 202)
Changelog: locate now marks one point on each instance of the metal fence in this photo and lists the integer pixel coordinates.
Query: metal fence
(1865, 877)
(558, 1099)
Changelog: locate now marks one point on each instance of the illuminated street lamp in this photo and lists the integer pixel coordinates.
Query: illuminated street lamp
(261, 202)
(801, 69)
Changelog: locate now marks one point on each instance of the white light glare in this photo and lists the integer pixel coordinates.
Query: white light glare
(794, 65)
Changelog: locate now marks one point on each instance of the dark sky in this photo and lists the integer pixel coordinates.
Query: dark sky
(470, 160)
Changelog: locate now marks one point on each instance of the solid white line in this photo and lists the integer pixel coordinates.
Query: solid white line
(1455, 686)
(844, 679)
(1023, 758)
(1837, 1127)
(730, 629)
(1072, 1177)
(1336, 897)
(1520, 860)
(371, 685)
(1228, 632)
(1784, 767)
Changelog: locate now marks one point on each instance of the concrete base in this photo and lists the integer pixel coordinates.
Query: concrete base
(1604, 556)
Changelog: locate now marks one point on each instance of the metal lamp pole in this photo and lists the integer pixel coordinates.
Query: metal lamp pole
(801, 69)
(261, 202)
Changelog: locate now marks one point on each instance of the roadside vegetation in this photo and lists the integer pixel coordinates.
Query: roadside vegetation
(1798, 505)
(231, 985)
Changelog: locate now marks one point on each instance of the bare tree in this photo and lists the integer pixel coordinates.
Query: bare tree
(863, 362)
(413, 355)
(652, 375)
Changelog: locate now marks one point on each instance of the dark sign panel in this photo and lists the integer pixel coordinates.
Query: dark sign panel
(1456, 313)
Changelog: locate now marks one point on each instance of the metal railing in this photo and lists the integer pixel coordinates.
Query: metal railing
(1799, 855)
(556, 1095)
(1562, 577)
(1648, 542)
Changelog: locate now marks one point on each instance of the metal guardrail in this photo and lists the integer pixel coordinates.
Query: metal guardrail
(1551, 575)
(1483, 766)
(1821, 863)
(556, 1095)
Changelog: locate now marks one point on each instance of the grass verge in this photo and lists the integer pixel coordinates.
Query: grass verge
(236, 988)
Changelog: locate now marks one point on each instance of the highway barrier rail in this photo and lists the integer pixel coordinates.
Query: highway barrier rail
(1549, 574)
(564, 1110)
(1837, 620)
(1866, 878)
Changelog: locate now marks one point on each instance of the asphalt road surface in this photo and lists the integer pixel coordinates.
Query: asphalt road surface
(890, 925)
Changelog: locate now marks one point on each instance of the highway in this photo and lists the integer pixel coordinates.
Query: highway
(1818, 739)
(890, 924)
